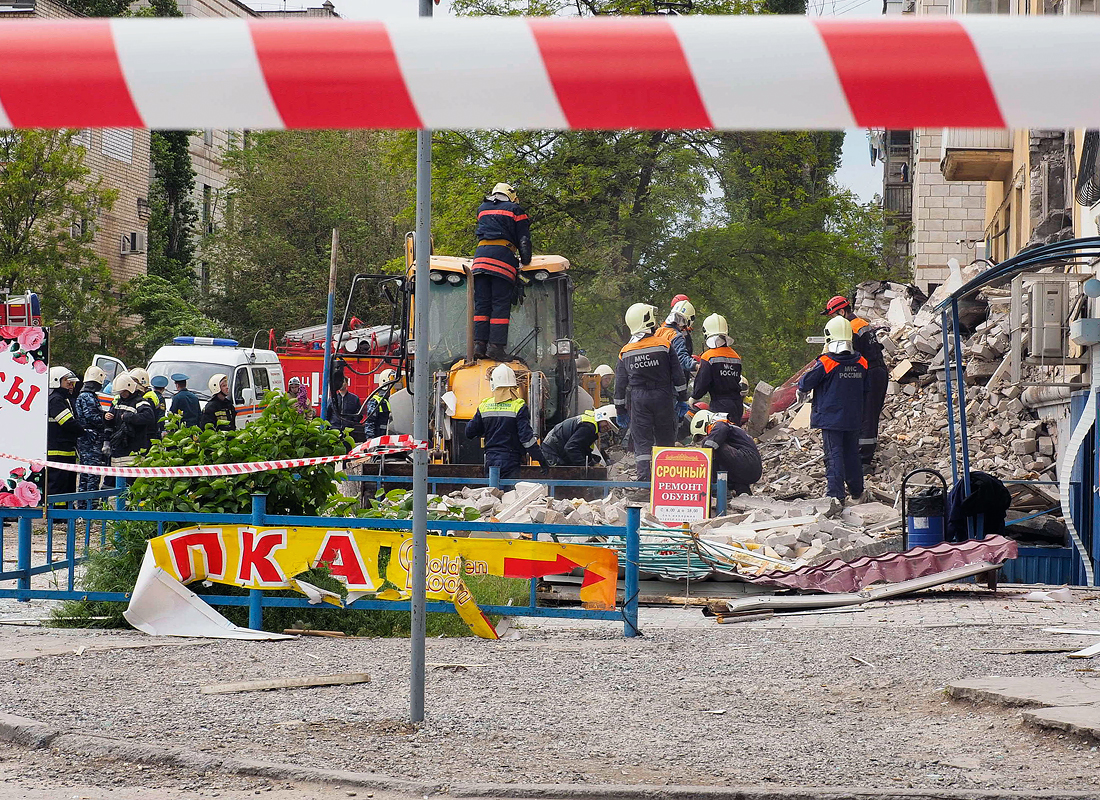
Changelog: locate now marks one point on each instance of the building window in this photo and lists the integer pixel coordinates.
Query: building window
(118, 143)
(208, 137)
(987, 6)
(207, 209)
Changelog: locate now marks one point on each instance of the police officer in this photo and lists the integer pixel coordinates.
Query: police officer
(159, 384)
(91, 446)
(377, 421)
(657, 386)
(62, 430)
(185, 402)
(503, 421)
(735, 452)
(574, 441)
(676, 332)
(838, 380)
(866, 343)
(503, 243)
(133, 419)
(219, 411)
(720, 371)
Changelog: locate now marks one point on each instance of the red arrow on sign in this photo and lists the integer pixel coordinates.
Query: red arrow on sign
(525, 568)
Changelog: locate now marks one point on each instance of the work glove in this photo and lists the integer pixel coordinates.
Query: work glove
(681, 409)
(623, 421)
(543, 468)
(802, 396)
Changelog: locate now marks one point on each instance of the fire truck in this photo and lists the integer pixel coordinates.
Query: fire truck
(20, 310)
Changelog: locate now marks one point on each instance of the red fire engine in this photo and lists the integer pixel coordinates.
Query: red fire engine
(22, 310)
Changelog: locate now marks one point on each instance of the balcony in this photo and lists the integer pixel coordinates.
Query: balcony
(976, 154)
(898, 200)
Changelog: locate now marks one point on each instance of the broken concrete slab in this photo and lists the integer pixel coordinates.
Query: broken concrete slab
(1048, 691)
(1079, 720)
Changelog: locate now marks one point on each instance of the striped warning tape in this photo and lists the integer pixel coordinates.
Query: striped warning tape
(380, 445)
(734, 73)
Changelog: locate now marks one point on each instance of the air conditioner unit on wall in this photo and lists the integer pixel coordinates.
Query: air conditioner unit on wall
(133, 242)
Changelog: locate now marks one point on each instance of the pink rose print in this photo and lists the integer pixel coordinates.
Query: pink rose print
(40, 367)
(37, 466)
(27, 493)
(20, 359)
(9, 501)
(18, 472)
(31, 338)
(9, 332)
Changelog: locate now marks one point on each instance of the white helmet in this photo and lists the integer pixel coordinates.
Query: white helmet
(58, 374)
(641, 317)
(94, 373)
(606, 414)
(386, 375)
(295, 381)
(715, 325)
(701, 422)
(683, 313)
(838, 335)
(142, 377)
(502, 376)
(124, 382)
(215, 383)
(504, 189)
(602, 370)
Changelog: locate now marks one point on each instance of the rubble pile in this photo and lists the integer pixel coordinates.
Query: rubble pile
(1006, 438)
(530, 502)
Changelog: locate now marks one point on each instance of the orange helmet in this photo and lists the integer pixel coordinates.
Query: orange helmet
(835, 304)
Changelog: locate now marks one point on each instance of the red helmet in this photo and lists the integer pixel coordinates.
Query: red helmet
(835, 304)
(678, 298)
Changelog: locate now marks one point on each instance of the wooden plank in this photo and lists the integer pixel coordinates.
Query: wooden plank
(305, 682)
(310, 632)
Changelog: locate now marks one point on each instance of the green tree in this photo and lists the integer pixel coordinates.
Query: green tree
(165, 314)
(270, 261)
(172, 214)
(48, 208)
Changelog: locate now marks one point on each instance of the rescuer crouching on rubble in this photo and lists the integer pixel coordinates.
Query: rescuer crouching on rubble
(838, 380)
(575, 442)
(503, 243)
(504, 422)
(735, 452)
(657, 386)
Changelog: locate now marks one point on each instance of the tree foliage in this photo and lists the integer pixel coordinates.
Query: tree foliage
(270, 261)
(172, 214)
(48, 208)
(165, 312)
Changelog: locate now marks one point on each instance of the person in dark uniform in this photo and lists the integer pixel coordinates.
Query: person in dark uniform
(377, 421)
(346, 409)
(865, 342)
(838, 380)
(572, 442)
(159, 384)
(503, 421)
(735, 452)
(93, 419)
(503, 243)
(220, 411)
(62, 431)
(651, 373)
(133, 420)
(676, 331)
(720, 371)
(185, 402)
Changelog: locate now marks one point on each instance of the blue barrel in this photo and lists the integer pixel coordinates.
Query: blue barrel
(925, 518)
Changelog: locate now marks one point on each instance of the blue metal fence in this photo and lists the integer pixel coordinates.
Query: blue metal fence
(88, 528)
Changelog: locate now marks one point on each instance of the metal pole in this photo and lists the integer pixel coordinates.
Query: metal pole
(633, 553)
(326, 373)
(256, 596)
(420, 412)
(23, 564)
(950, 401)
(722, 493)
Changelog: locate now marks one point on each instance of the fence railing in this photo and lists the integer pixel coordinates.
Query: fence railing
(84, 528)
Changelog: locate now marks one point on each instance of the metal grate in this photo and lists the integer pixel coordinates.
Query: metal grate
(1087, 190)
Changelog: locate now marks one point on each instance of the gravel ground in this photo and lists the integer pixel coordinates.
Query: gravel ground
(576, 706)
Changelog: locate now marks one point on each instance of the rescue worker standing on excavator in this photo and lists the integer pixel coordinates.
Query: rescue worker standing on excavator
(503, 243)
(720, 371)
(62, 431)
(866, 343)
(573, 441)
(504, 422)
(676, 331)
(658, 387)
(838, 380)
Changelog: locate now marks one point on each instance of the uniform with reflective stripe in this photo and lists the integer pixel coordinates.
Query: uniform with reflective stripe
(839, 384)
(62, 429)
(378, 416)
(679, 341)
(506, 431)
(572, 441)
(867, 344)
(736, 454)
(656, 382)
(720, 376)
(504, 242)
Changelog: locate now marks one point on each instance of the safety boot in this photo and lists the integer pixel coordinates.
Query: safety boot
(496, 352)
(479, 350)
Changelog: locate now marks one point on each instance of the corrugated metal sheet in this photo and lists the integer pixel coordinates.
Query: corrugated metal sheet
(1049, 565)
(843, 576)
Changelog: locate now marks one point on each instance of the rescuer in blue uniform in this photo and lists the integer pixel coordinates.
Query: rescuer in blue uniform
(93, 419)
(676, 331)
(503, 421)
(838, 380)
(720, 371)
(503, 243)
(657, 386)
(735, 452)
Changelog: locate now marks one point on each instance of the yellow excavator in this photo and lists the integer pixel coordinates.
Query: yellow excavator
(540, 349)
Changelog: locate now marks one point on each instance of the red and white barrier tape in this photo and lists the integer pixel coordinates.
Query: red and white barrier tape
(735, 73)
(380, 445)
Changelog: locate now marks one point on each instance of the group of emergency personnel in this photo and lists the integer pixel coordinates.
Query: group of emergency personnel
(81, 430)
